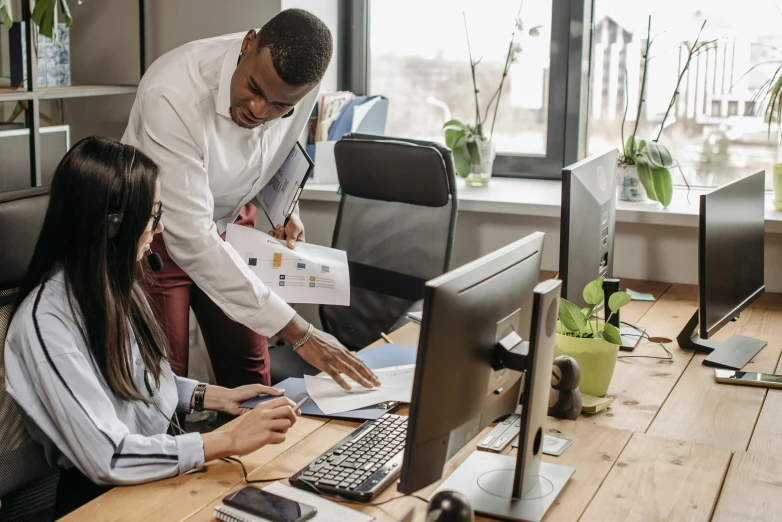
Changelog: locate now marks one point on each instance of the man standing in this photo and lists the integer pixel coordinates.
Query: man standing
(219, 116)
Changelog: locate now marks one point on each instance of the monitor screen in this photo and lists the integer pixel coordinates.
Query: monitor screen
(730, 251)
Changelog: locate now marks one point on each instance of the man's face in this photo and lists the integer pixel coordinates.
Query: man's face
(258, 94)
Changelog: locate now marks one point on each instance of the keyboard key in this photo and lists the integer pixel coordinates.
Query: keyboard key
(328, 482)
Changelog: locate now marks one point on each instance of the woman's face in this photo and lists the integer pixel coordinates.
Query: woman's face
(149, 233)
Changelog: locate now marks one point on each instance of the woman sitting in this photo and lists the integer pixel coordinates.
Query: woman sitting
(86, 360)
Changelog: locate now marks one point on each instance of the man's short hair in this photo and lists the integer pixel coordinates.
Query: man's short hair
(300, 46)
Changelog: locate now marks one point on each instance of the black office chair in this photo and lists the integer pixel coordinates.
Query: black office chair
(396, 222)
(28, 486)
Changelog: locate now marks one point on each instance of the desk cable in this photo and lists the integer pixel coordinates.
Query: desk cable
(176, 428)
(643, 335)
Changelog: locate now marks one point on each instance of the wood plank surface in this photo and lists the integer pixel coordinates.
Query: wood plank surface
(639, 385)
(767, 437)
(752, 489)
(593, 453)
(179, 497)
(701, 410)
(661, 479)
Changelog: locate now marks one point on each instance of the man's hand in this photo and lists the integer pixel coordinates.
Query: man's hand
(228, 399)
(324, 352)
(292, 232)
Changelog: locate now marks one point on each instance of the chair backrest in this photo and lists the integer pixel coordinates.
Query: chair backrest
(396, 222)
(28, 486)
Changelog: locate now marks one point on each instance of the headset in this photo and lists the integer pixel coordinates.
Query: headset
(115, 218)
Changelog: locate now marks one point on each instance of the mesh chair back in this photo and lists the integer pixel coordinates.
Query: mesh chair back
(396, 222)
(28, 485)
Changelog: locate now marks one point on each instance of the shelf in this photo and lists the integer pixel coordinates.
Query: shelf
(11, 95)
(73, 91)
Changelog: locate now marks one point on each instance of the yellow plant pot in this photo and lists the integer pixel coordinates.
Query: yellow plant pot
(596, 357)
(777, 181)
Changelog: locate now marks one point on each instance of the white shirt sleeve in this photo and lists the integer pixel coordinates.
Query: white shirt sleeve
(172, 135)
(75, 412)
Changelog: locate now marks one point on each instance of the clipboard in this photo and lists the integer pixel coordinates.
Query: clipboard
(280, 195)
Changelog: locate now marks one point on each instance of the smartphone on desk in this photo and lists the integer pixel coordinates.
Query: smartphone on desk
(269, 506)
(748, 378)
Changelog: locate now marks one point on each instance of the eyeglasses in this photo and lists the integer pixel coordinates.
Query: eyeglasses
(157, 215)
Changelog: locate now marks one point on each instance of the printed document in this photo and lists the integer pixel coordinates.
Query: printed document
(309, 274)
(281, 193)
(397, 385)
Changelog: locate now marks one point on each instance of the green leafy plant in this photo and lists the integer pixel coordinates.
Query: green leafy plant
(653, 160)
(45, 15)
(464, 138)
(578, 322)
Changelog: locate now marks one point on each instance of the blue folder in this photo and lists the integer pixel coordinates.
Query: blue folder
(381, 356)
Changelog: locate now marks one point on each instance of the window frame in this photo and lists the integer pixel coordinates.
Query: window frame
(571, 31)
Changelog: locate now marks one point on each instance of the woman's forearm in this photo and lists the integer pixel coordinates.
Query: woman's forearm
(218, 444)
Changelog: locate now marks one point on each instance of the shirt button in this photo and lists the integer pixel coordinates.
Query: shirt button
(138, 362)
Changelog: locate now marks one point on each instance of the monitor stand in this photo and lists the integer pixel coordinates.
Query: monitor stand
(487, 480)
(521, 487)
(734, 353)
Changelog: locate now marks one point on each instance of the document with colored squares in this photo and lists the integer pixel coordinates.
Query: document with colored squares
(309, 274)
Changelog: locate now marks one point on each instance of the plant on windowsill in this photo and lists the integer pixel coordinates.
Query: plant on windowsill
(594, 344)
(473, 149)
(644, 165)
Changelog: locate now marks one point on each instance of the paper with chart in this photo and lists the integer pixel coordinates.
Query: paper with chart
(281, 193)
(309, 274)
(397, 385)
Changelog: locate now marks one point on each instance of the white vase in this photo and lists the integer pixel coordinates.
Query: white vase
(481, 174)
(628, 185)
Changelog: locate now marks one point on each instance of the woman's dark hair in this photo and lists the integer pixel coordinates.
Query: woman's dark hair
(102, 274)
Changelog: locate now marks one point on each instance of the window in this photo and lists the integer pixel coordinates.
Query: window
(417, 56)
(706, 132)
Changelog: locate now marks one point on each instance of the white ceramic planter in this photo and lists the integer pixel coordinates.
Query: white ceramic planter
(628, 186)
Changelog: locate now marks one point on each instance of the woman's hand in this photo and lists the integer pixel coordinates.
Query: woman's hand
(228, 400)
(266, 424)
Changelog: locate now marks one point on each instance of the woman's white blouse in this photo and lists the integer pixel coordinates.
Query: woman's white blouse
(71, 411)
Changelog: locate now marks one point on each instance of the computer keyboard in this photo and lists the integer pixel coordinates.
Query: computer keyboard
(362, 464)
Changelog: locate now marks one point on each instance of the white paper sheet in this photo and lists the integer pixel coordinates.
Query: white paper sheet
(309, 274)
(639, 296)
(397, 385)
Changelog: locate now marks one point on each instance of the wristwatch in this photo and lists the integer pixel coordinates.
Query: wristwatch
(304, 339)
(198, 396)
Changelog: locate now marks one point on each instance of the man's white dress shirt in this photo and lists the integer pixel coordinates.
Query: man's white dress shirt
(210, 168)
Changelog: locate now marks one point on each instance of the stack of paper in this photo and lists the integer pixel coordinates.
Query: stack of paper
(331, 398)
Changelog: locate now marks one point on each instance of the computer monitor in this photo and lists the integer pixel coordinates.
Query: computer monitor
(586, 235)
(487, 331)
(730, 270)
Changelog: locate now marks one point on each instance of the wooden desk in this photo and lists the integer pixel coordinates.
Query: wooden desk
(674, 444)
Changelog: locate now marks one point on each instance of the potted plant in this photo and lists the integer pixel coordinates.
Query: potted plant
(644, 165)
(44, 15)
(473, 148)
(594, 344)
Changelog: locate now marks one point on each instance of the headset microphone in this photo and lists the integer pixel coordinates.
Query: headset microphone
(155, 262)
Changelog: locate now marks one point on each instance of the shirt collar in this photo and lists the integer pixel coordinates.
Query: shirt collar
(226, 73)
